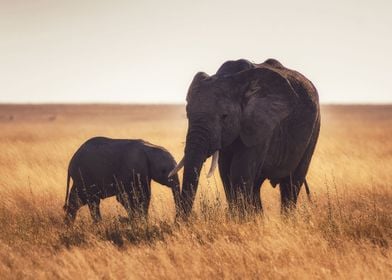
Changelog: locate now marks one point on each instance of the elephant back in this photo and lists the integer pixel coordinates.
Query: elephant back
(234, 66)
(304, 88)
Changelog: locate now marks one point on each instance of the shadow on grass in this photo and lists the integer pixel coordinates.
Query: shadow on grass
(119, 232)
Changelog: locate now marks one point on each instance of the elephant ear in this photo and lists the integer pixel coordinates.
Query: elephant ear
(268, 99)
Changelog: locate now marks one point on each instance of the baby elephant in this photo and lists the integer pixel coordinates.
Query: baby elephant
(104, 167)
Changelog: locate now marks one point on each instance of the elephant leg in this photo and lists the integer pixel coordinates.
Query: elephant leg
(291, 185)
(224, 172)
(135, 197)
(145, 195)
(303, 166)
(74, 204)
(95, 212)
(124, 199)
(242, 177)
(289, 191)
(146, 203)
(138, 197)
(124, 193)
(141, 200)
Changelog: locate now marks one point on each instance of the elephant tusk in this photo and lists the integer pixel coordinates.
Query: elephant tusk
(177, 168)
(214, 163)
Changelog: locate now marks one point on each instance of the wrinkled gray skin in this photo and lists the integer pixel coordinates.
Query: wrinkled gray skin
(264, 120)
(104, 167)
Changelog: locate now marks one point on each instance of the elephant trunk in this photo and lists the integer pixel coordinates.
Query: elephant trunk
(175, 187)
(196, 152)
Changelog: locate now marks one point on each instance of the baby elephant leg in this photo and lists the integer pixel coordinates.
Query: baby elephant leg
(125, 201)
(73, 205)
(136, 209)
(93, 205)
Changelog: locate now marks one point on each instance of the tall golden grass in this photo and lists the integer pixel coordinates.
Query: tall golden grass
(345, 233)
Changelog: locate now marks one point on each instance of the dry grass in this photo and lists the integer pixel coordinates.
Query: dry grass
(345, 233)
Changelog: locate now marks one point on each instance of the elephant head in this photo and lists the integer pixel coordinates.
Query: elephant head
(161, 163)
(228, 107)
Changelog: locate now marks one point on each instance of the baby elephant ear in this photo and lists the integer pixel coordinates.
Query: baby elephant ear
(268, 100)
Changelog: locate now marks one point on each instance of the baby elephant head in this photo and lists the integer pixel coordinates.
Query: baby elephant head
(161, 162)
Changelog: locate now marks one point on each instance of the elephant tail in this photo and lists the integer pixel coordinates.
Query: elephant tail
(67, 191)
(307, 190)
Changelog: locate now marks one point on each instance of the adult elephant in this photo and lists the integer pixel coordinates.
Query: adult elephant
(261, 120)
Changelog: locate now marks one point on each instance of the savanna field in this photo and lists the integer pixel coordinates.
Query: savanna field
(346, 232)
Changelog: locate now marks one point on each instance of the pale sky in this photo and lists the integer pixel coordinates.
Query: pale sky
(140, 51)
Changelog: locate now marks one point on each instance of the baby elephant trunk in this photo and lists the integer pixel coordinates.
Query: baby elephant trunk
(175, 187)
